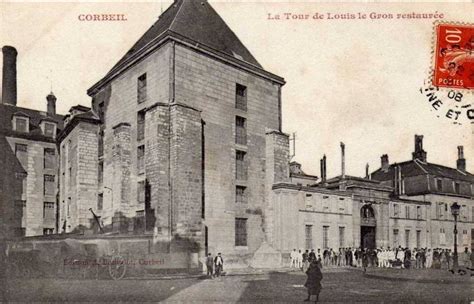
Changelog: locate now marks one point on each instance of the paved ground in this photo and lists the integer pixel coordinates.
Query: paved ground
(339, 285)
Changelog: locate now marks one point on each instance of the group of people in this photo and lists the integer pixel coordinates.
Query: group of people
(214, 265)
(380, 257)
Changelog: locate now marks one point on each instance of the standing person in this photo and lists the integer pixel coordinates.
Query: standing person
(342, 256)
(312, 256)
(349, 256)
(305, 261)
(365, 259)
(448, 258)
(210, 265)
(300, 259)
(313, 281)
(293, 259)
(429, 258)
(219, 264)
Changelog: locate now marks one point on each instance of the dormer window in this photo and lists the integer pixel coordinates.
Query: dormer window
(21, 123)
(49, 128)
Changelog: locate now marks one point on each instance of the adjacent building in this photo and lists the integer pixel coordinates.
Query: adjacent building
(29, 180)
(403, 204)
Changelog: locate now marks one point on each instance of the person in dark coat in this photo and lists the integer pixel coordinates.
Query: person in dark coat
(365, 259)
(313, 282)
(210, 265)
(312, 256)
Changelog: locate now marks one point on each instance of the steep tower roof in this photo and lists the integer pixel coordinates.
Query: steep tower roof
(197, 22)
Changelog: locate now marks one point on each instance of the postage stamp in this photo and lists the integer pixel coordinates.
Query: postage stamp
(454, 56)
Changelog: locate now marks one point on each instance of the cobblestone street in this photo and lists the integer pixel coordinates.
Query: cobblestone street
(339, 285)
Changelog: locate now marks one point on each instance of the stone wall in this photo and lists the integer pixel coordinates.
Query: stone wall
(79, 177)
(209, 85)
(34, 194)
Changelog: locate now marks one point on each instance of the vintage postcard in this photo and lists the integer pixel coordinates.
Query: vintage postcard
(216, 151)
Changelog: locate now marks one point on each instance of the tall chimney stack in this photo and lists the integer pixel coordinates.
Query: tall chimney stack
(343, 161)
(367, 170)
(461, 162)
(384, 162)
(321, 169)
(324, 168)
(9, 75)
(419, 153)
(51, 105)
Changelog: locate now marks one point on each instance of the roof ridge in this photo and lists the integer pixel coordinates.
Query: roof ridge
(419, 165)
(175, 15)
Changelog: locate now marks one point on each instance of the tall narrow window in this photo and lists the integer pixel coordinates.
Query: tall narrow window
(48, 211)
(141, 192)
(341, 237)
(241, 97)
(407, 212)
(100, 173)
(49, 185)
(464, 213)
(308, 232)
(407, 238)
(439, 184)
(419, 214)
(457, 188)
(442, 236)
(240, 232)
(240, 166)
(396, 210)
(240, 195)
(325, 236)
(101, 144)
(440, 210)
(49, 158)
(140, 125)
(141, 158)
(141, 88)
(240, 130)
(100, 201)
(396, 241)
(21, 152)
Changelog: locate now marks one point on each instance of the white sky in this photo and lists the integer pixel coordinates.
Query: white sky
(355, 81)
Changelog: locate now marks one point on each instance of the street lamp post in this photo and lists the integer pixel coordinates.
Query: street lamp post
(455, 212)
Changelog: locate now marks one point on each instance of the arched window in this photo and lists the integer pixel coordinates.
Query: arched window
(367, 212)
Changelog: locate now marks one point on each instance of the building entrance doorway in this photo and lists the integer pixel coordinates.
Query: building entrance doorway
(367, 237)
(367, 227)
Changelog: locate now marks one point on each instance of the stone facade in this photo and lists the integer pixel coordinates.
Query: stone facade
(35, 195)
(79, 177)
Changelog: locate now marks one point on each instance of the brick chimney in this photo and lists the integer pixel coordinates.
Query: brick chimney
(419, 153)
(9, 75)
(343, 160)
(324, 167)
(384, 162)
(461, 162)
(51, 105)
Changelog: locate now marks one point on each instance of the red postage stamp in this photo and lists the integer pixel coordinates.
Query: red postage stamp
(454, 56)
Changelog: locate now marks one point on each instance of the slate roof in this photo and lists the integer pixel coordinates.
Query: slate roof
(11, 163)
(195, 21)
(88, 116)
(417, 167)
(35, 118)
